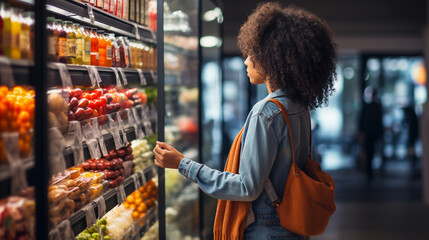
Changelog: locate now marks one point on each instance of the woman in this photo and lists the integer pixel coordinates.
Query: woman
(291, 51)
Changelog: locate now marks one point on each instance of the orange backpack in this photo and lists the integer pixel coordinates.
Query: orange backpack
(309, 194)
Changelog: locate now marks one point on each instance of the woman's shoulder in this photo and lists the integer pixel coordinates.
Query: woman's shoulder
(270, 110)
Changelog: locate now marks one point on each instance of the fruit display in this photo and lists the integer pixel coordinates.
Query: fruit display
(152, 233)
(17, 218)
(119, 222)
(114, 165)
(142, 152)
(17, 115)
(141, 200)
(72, 190)
(85, 104)
(97, 232)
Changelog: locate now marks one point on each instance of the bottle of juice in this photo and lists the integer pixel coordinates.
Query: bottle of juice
(62, 41)
(127, 52)
(24, 37)
(94, 48)
(79, 43)
(6, 31)
(116, 58)
(102, 59)
(121, 52)
(86, 57)
(52, 33)
(71, 42)
(30, 20)
(1, 27)
(108, 50)
(15, 32)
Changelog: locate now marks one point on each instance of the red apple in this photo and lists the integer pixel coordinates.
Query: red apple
(103, 101)
(80, 114)
(72, 117)
(77, 92)
(91, 104)
(83, 103)
(89, 113)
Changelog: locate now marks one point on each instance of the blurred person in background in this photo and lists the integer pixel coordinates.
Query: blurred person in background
(412, 126)
(292, 52)
(370, 126)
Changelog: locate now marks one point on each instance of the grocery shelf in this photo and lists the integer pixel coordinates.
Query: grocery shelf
(79, 11)
(79, 76)
(78, 220)
(23, 70)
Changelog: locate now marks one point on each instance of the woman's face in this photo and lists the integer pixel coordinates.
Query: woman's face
(253, 73)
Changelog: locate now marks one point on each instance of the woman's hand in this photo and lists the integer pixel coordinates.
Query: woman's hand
(167, 156)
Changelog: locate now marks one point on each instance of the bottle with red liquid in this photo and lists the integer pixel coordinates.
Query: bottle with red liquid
(116, 57)
(94, 48)
(62, 41)
(102, 59)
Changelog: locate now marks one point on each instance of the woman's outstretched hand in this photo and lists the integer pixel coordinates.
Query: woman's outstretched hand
(167, 156)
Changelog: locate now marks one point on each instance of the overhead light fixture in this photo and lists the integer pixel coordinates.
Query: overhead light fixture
(210, 41)
(212, 15)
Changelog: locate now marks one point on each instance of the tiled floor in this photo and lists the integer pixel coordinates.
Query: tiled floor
(388, 208)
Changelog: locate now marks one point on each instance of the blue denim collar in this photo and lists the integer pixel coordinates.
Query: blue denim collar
(277, 93)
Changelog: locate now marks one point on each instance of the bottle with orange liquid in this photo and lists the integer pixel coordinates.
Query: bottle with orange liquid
(101, 48)
(94, 48)
(108, 50)
(15, 51)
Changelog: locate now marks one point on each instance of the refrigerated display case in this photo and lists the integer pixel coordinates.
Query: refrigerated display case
(181, 114)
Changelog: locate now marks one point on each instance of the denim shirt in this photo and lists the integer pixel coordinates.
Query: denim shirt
(265, 152)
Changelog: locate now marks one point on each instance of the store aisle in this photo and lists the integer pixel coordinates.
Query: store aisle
(387, 208)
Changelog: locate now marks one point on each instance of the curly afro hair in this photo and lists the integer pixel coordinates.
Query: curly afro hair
(293, 49)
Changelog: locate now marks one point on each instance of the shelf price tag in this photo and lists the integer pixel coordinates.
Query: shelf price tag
(57, 144)
(101, 206)
(121, 129)
(6, 73)
(91, 140)
(94, 76)
(154, 77)
(118, 81)
(146, 121)
(132, 120)
(153, 34)
(115, 132)
(136, 30)
(90, 13)
(136, 181)
(65, 230)
(143, 81)
(99, 136)
(17, 170)
(124, 77)
(90, 218)
(120, 193)
(75, 131)
(64, 74)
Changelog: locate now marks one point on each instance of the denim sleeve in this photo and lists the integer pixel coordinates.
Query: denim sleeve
(257, 158)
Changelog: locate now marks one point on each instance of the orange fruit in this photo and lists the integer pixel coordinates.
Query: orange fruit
(133, 206)
(142, 207)
(142, 215)
(138, 201)
(126, 205)
(145, 195)
(130, 199)
(135, 215)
